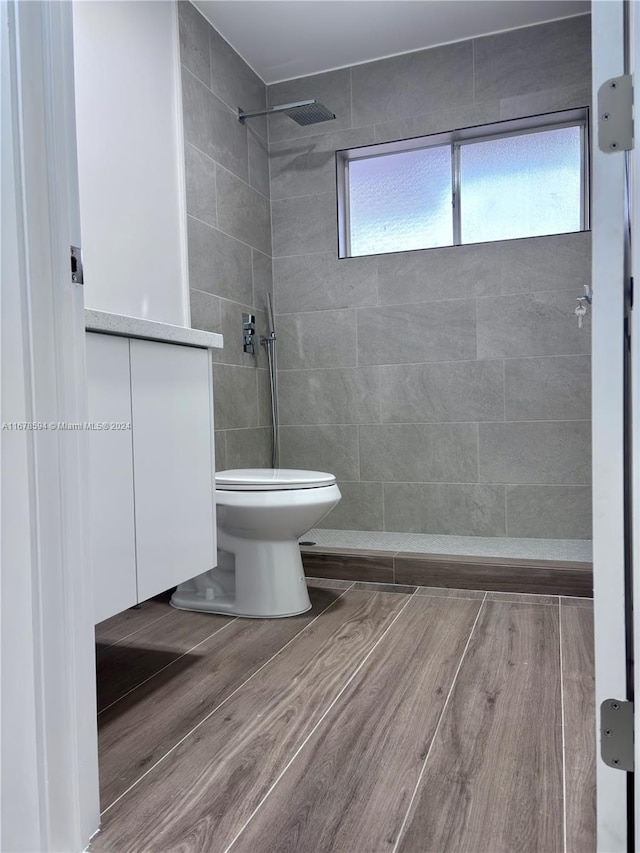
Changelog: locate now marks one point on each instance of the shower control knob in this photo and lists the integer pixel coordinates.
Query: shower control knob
(248, 332)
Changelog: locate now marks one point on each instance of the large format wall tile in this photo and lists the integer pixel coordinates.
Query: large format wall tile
(531, 324)
(234, 82)
(549, 512)
(319, 281)
(213, 128)
(343, 396)
(458, 510)
(262, 279)
(264, 398)
(194, 41)
(227, 276)
(308, 166)
(332, 88)
(332, 448)
(220, 450)
(439, 121)
(550, 388)
(235, 398)
(404, 85)
(558, 262)
(259, 164)
(359, 509)
(248, 448)
(242, 212)
(304, 225)
(525, 60)
(200, 177)
(317, 339)
(545, 452)
(434, 274)
(431, 331)
(547, 100)
(419, 453)
(218, 264)
(205, 312)
(451, 391)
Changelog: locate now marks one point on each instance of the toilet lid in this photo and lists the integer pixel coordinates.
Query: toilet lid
(269, 479)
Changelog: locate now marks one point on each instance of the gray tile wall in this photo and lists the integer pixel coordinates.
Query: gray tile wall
(228, 228)
(447, 389)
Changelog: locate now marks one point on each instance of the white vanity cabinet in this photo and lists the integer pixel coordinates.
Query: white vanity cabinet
(151, 489)
(112, 538)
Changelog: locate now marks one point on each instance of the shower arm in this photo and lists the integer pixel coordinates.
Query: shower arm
(281, 108)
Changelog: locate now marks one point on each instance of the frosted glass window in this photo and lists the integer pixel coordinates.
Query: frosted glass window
(521, 186)
(522, 178)
(402, 201)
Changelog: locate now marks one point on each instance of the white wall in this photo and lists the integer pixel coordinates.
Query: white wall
(130, 158)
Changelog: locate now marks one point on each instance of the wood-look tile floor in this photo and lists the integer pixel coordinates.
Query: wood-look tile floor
(416, 721)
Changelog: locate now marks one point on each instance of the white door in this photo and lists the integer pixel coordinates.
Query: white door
(49, 791)
(610, 224)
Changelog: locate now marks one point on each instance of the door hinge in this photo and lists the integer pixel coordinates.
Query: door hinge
(616, 734)
(77, 271)
(615, 115)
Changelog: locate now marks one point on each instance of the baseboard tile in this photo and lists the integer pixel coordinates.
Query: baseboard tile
(452, 572)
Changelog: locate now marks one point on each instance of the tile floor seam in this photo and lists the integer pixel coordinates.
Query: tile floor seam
(526, 603)
(449, 597)
(564, 750)
(224, 701)
(175, 660)
(127, 636)
(320, 721)
(437, 728)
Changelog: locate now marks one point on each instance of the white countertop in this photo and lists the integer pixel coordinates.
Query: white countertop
(135, 327)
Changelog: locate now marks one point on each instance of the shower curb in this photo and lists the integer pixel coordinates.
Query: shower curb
(492, 574)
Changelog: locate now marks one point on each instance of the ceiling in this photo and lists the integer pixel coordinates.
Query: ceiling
(283, 39)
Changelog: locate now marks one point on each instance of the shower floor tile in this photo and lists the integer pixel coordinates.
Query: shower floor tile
(579, 550)
(421, 720)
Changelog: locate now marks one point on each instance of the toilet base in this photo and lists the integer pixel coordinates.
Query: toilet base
(200, 606)
(255, 580)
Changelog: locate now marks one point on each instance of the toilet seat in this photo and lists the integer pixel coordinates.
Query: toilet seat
(271, 479)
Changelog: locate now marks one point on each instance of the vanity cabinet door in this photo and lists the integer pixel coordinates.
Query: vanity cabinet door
(111, 513)
(173, 464)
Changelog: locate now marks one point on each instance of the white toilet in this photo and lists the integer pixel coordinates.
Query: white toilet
(261, 514)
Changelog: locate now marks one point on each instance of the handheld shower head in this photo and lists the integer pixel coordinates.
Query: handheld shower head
(302, 112)
(271, 321)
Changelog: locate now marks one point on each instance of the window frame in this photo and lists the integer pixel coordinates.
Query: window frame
(454, 140)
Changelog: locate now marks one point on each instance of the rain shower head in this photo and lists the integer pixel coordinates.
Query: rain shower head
(302, 112)
(309, 112)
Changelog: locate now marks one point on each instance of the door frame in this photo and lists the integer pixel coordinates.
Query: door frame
(634, 181)
(612, 525)
(49, 794)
